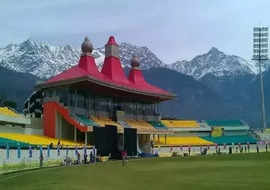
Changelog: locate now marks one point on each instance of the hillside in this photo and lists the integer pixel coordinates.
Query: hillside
(16, 86)
(194, 100)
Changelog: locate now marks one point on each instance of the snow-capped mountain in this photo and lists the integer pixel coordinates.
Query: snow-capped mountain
(216, 63)
(44, 60)
(147, 58)
(39, 58)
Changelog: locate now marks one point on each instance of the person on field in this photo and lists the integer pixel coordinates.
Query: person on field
(152, 146)
(85, 158)
(124, 157)
(79, 158)
(241, 148)
(230, 150)
(41, 158)
(95, 154)
(257, 148)
(91, 157)
(266, 147)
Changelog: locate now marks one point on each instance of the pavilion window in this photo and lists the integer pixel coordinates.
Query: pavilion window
(62, 94)
(72, 99)
(81, 102)
(91, 103)
(86, 102)
(49, 93)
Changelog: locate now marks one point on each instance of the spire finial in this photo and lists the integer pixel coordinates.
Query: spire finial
(86, 47)
(135, 63)
(111, 48)
(112, 41)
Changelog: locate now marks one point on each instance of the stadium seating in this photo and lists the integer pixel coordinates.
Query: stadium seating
(8, 112)
(141, 126)
(37, 139)
(124, 124)
(102, 121)
(242, 139)
(180, 123)
(224, 123)
(158, 125)
(84, 120)
(12, 143)
(181, 141)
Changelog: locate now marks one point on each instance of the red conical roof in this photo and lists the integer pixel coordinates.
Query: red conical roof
(112, 72)
(112, 66)
(112, 41)
(86, 67)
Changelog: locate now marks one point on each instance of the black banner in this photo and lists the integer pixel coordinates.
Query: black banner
(130, 141)
(106, 141)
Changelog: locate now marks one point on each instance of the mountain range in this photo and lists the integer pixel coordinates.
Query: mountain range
(216, 63)
(210, 86)
(44, 60)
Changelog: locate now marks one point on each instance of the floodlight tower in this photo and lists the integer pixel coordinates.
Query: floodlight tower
(260, 54)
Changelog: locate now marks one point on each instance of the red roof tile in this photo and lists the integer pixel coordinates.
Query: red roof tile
(112, 73)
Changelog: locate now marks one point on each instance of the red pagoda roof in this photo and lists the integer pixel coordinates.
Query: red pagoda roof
(112, 74)
(112, 41)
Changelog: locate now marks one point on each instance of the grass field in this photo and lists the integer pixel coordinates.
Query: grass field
(223, 172)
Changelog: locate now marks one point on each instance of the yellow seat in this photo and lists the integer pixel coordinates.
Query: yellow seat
(103, 121)
(6, 111)
(180, 123)
(141, 126)
(38, 139)
(181, 141)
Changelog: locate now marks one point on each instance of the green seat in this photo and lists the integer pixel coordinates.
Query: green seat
(84, 120)
(158, 125)
(224, 123)
(13, 144)
(242, 139)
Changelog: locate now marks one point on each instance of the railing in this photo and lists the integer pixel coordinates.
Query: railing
(15, 160)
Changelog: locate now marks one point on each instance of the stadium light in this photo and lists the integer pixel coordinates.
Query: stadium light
(260, 54)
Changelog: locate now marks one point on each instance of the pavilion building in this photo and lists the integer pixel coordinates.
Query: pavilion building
(73, 102)
(113, 111)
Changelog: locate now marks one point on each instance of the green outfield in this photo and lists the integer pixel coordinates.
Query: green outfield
(223, 172)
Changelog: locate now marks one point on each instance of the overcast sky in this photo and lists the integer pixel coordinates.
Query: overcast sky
(173, 30)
